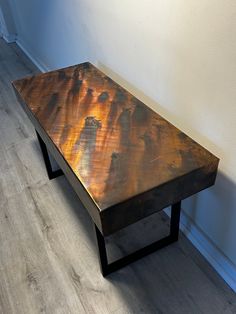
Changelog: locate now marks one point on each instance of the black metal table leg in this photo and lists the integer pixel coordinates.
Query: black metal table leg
(107, 268)
(52, 174)
(174, 221)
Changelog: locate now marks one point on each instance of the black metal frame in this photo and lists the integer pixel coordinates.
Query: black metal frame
(52, 174)
(107, 268)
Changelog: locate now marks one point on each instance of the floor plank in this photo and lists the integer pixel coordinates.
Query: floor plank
(48, 258)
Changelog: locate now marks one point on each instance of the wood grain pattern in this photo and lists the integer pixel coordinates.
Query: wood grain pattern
(116, 146)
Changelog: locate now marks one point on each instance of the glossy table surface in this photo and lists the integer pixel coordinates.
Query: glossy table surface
(116, 145)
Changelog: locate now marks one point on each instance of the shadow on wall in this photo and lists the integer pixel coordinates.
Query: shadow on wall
(214, 212)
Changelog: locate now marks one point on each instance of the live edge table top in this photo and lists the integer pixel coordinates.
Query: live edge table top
(125, 156)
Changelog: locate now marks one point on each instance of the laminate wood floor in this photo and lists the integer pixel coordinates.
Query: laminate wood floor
(48, 258)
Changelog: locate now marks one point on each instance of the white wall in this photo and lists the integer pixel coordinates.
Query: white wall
(176, 53)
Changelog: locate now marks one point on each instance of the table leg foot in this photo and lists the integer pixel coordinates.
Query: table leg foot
(107, 268)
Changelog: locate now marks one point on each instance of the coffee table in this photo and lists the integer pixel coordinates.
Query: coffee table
(124, 161)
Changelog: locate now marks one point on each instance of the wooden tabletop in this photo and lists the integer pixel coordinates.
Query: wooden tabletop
(117, 146)
(123, 159)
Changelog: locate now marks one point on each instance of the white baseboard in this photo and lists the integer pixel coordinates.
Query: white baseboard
(37, 62)
(9, 38)
(224, 267)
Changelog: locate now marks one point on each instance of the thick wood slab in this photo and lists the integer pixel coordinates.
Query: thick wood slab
(122, 158)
